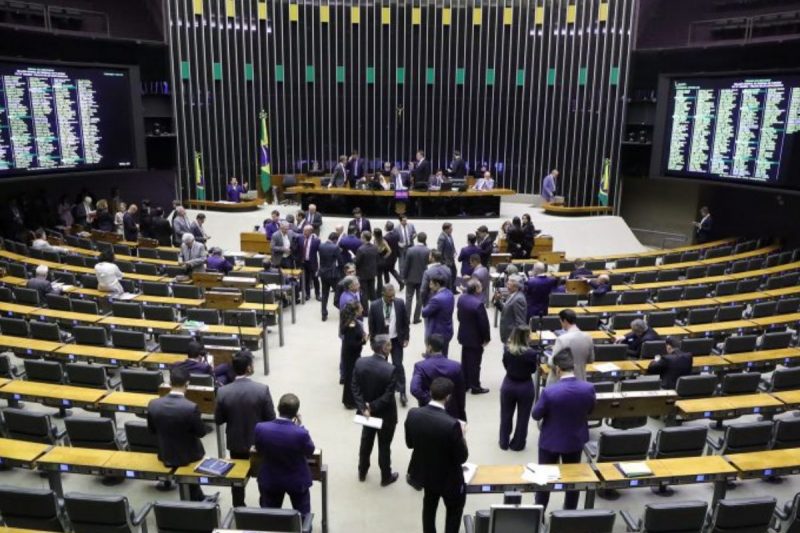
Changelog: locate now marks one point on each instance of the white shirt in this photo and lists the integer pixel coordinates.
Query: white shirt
(398, 183)
(392, 325)
(436, 404)
(108, 276)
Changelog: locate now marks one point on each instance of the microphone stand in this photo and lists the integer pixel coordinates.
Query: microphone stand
(264, 339)
(542, 358)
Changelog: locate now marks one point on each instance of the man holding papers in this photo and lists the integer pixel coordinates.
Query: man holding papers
(563, 409)
(374, 384)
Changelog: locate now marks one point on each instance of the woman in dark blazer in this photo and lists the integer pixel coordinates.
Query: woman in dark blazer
(517, 391)
(353, 336)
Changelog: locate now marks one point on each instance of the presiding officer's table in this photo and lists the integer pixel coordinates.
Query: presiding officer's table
(428, 204)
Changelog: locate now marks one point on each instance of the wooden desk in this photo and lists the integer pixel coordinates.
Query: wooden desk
(671, 331)
(678, 283)
(160, 360)
(727, 406)
(720, 327)
(6, 529)
(581, 210)
(789, 397)
(777, 320)
(51, 394)
(700, 363)
(233, 331)
(766, 464)
(614, 309)
(28, 346)
(136, 465)
(551, 311)
(66, 317)
(204, 397)
(625, 369)
(20, 453)
(13, 280)
(501, 478)
(740, 298)
(102, 354)
(775, 293)
(764, 358)
(599, 336)
(126, 402)
(78, 460)
(666, 251)
(685, 304)
(137, 259)
(236, 476)
(255, 242)
(169, 300)
(634, 404)
(244, 205)
(149, 326)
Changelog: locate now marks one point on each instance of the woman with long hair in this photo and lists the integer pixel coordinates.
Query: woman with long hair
(353, 336)
(518, 390)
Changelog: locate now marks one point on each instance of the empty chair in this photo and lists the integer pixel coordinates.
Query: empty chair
(26, 508)
(746, 515)
(697, 346)
(133, 340)
(598, 264)
(563, 300)
(646, 261)
(625, 263)
(785, 434)
(610, 352)
(44, 371)
(258, 519)
(148, 381)
(128, 285)
(721, 251)
(693, 292)
(85, 306)
(258, 296)
(139, 437)
(650, 349)
(582, 521)
(662, 319)
(618, 445)
(92, 432)
(772, 260)
(716, 270)
(668, 275)
(49, 255)
(85, 243)
(207, 316)
(190, 291)
(26, 296)
(122, 249)
(127, 309)
(125, 267)
(669, 294)
(739, 344)
(671, 259)
(643, 383)
(255, 261)
(691, 255)
(700, 386)
(776, 340)
(728, 313)
(154, 288)
(187, 517)
(725, 288)
(739, 266)
(787, 306)
(755, 264)
(245, 319)
(679, 441)
(634, 297)
(88, 281)
(147, 269)
(27, 425)
(58, 302)
(603, 386)
(649, 276)
(546, 323)
(94, 335)
(17, 270)
(743, 437)
(609, 298)
(16, 327)
(622, 321)
(704, 315)
(696, 272)
(566, 266)
(88, 375)
(168, 255)
(175, 343)
(162, 313)
(740, 383)
(6, 295)
(173, 271)
(762, 309)
(147, 253)
(45, 331)
(201, 380)
(94, 513)
(748, 285)
(783, 379)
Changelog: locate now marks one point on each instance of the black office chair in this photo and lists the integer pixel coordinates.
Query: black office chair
(725, 288)
(681, 517)
(94, 513)
(147, 269)
(609, 298)
(721, 251)
(739, 344)
(6, 295)
(168, 255)
(634, 297)
(85, 306)
(787, 306)
(170, 343)
(748, 285)
(89, 375)
(139, 437)
(621, 322)
(133, 340)
(563, 300)
(147, 253)
(740, 383)
(728, 313)
(154, 288)
(764, 309)
(603, 386)
(582, 521)
(643, 383)
(741, 437)
(163, 313)
(125, 267)
(697, 346)
(785, 434)
(58, 302)
(95, 432)
(619, 445)
(700, 386)
(703, 315)
(610, 352)
(588, 322)
(148, 381)
(668, 275)
(674, 442)
(782, 379)
(649, 276)
(187, 291)
(92, 335)
(18, 270)
(788, 517)
(746, 515)
(16, 327)
(739, 266)
(26, 296)
(696, 272)
(44, 371)
(662, 319)
(625, 263)
(27, 425)
(691, 255)
(650, 349)
(770, 341)
(258, 519)
(207, 316)
(669, 294)
(547, 323)
(122, 249)
(244, 319)
(126, 309)
(27, 508)
(187, 517)
(693, 292)
(88, 281)
(46, 331)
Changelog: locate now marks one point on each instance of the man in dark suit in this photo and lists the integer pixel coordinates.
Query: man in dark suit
(329, 269)
(310, 260)
(161, 228)
(436, 269)
(439, 450)
(438, 312)
(40, 283)
(447, 247)
(314, 218)
(130, 229)
(513, 309)
(563, 409)
(178, 428)
(639, 334)
(339, 178)
(350, 244)
(388, 316)
(392, 238)
(671, 366)
(484, 242)
(473, 334)
(367, 267)
(538, 289)
(458, 168)
(466, 252)
(433, 365)
(196, 360)
(358, 224)
(355, 168)
(406, 232)
(581, 271)
(421, 172)
(240, 406)
(285, 446)
(413, 268)
(374, 384)
(702, 229)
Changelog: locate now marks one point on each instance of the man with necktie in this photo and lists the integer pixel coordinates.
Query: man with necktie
(406, 234)
(359, 223)
(422, 169)
(314, 218)
(549, 186)
(438, 312)
(310, 261)
(447, 248)
(458, 168)
(339, 173)
(355, 169)
(388, 316)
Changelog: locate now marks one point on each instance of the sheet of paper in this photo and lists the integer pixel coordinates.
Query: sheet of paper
(551, 472)
(606, 367)
(548, 335)
(635, 469)
(463, 426)
(127, 296)
(371, 422)
(469, 470)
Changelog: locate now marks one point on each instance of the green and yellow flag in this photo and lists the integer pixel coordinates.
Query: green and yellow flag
(200, 184)
(605, 180)
(263, 154)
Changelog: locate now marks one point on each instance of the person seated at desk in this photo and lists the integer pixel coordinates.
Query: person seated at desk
(273, 224)
(108, 274)
(398, 183)
(485, 183)
(40, 283)
(581, 271)
(193, 254)
(339, 173)
(639, 334)
(235, 191)
(196, 362)
(601, 285)
(217, 262)
(40, 243)
(436, 181)
(671, 366)
(386, 170)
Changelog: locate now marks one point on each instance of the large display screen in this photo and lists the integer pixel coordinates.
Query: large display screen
(743, 129)
(56, 118)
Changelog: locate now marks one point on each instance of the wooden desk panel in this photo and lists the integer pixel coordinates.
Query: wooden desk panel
(140, 324)
(169, 300)
(685, 304)
(775, 293)
(771, 357)
(666, 251)
(614, 309)
(137, 465)
(766, 464)
(162, 360)
(233, 331)
(674, 471)
(719, 327)
(679, 283)
(597, 336)
(744, 297)
(133, 402)
(104, 354)
(634, 404)
(20, 452)
(700, 363)
(80, 460)
(500, 478)
(791, 318)
(62, 395)
(67, 316)
(671, 331)
(28, 346)
(727, 406)
(237, 476)
(789, 397)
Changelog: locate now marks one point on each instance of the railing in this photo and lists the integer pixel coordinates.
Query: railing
(651, 237)
(745, 29)
(53, 18)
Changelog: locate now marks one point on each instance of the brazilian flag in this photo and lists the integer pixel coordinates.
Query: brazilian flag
(605, 180)
(200, 184)
(263, 155)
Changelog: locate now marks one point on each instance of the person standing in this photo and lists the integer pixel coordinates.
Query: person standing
(241, 405)
(358, 224)
(563, 410)
(273, 224)
(513, 310)
(466, 253)
(702, 229)
(481, 273)
(413, 268)
(580, 345)
(285, 446)
(436, 269)
(310, 261)
(515, 240)
(518, 389)
(473, 335)
(406, 233)
(178, 427)
(180, 225)
(374, 384)
(388, 316)
(351, 290)
(281, 247)
(198, 230)
(484, 242)
(436, 364)
(355, 170)
(351, 331)
(438, 312)
(447, 248)
(538, 289)
(367, 267)
(457, 170)
(314, 218)
(130, 229)
(192, 254)
(421, 172)
(438, 451)
(339, 178)
(329, 270)
(235, 191)
(392, 238)
(549, 186)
